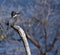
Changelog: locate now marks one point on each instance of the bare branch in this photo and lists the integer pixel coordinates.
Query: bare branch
(23, 36)
(55, 39)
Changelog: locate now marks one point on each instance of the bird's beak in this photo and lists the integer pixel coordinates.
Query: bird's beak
(19, 13)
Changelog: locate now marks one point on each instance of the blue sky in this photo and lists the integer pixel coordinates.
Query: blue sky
(29, 9)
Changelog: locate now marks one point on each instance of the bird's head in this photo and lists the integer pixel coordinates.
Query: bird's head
(14, 14)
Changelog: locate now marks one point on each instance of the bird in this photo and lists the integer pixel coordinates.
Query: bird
(14, 14)
(13, 18)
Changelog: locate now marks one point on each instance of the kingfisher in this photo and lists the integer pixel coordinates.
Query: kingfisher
(13, 18)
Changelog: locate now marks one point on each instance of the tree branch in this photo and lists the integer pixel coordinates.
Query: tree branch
(23, 36)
